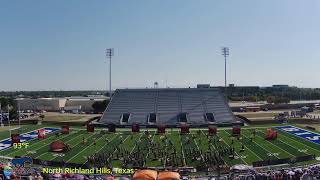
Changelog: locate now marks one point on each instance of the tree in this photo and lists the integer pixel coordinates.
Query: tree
(42, 116)
(100, 106)
(277, 100)
(270, 99)
(5, 101)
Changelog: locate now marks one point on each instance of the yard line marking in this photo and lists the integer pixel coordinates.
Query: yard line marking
(289, 145)
(149, 148)
(40, 143)
(117, 148)
(300, 128)
(277, 147)
(83, 149)
(47, 145)
(213, 146)
(264, 148)
(300, 142)
(234, 151)
(9, 138)
(26, 137)
(114, 136)
(253, 152)
(199, 149)
(184, 158)
(50, 152)
(75, 144)
(135, 144)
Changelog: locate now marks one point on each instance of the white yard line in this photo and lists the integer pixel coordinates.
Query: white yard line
(280, 147)
(151, 142)
(213, 147)
(300, 142)
(38, 143)
(184, 158)
(28, 132)
(289, 145)
(65, 142)
(253, 153)
(136, 144)
(24, 134)
(199, 149)
(74, 145)
(234, 151)
(114, 136)
(263, 147)
(82, 149)
(116, 148)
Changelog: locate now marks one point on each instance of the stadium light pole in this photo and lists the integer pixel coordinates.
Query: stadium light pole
(109, 54)
(225, 53)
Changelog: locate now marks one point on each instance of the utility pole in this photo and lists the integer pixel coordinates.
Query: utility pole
(9, 120)
(1, 115)
(109, 54)
(225, 53)
(18, 114)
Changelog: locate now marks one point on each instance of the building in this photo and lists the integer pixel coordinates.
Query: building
(72, 104)
(280, 86)
(41, 104)
(203, 85)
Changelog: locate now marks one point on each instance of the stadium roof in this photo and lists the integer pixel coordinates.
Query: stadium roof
(194, 106)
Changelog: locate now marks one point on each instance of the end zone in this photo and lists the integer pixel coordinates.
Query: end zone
(6, 143)
(302, 133)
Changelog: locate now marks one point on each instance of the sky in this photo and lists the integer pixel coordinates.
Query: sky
(60, 45)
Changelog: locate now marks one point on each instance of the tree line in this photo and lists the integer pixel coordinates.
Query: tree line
(273, 95)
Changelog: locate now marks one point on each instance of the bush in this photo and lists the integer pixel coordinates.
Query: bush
(277, 100)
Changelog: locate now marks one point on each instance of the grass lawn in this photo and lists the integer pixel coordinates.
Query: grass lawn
(62, 117)
(185, 147)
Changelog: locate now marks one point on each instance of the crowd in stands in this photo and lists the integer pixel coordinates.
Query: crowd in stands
(305, 173)
(311, 172)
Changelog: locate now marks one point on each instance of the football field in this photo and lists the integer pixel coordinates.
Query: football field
(149, 149)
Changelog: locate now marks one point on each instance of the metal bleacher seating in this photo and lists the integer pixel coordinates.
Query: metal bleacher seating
(168, 104)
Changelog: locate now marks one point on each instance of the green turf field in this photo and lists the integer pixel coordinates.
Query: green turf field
(172, 149)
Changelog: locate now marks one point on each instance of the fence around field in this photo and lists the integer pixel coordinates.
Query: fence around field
(59, 164)
(283, 161)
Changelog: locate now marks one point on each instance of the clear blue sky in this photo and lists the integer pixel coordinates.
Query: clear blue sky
(59, 45)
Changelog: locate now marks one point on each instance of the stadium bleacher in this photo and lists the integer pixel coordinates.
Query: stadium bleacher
(170, 106)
